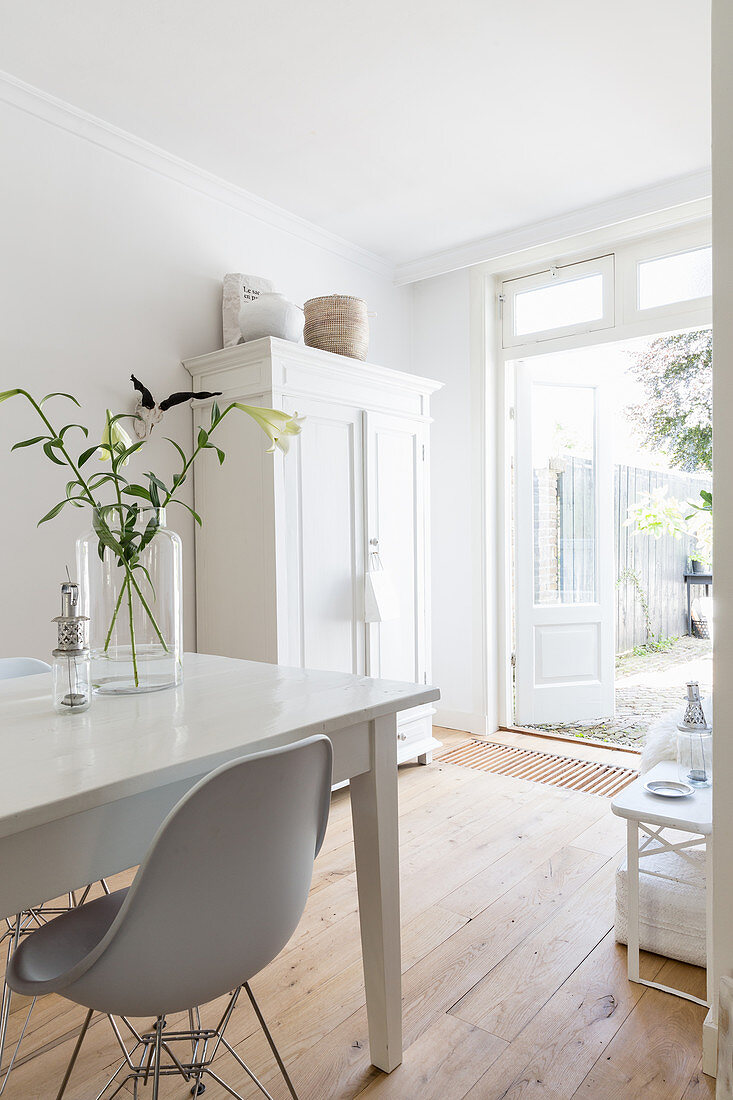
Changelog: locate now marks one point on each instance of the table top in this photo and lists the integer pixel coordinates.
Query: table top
(54, 765)
(693, 814)
(699, 578)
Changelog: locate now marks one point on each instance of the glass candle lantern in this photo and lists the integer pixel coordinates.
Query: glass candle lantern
(695, 757)
(72, 670)
(695, 742)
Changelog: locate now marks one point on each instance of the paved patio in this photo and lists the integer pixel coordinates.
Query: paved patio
(647, 686)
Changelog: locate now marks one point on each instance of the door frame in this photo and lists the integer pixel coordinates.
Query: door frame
(493, 376)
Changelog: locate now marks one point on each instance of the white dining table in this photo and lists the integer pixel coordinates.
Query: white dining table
(81, 795)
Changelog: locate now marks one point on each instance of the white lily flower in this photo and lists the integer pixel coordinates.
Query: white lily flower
(277, 425)
(114, 439)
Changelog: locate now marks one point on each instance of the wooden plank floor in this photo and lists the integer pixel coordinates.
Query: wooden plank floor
(514, 988)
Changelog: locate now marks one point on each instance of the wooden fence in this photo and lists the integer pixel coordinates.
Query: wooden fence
(659, 564)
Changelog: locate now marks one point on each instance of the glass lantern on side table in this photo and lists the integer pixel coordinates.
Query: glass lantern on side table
(695, 742)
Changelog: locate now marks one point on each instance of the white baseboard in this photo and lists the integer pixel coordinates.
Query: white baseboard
(462, 720)
(710, 1045)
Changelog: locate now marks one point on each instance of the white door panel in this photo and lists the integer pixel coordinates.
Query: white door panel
(396, 519)
(325, 537)
(564, 546)
(564, 652)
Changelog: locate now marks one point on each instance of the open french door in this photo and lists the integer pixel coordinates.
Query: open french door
(564, 581)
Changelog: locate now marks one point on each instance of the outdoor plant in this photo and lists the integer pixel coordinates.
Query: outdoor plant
(117, 502)
(654, 642)
(654, 513)
(700, 523)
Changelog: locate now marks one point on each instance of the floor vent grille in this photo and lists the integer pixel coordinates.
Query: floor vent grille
(589, 776)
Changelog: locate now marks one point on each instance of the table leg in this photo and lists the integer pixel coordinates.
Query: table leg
(632, 894)
(709, 920)
(376, 842)
(689, 610)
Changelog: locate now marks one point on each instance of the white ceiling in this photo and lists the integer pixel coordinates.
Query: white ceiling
(405, 127)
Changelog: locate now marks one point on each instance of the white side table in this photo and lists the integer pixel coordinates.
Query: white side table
(647, 817)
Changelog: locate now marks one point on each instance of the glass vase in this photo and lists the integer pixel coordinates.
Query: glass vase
(135, 603)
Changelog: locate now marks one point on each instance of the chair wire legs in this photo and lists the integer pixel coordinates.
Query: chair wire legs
(189, 1053)
(21, 925)
(75, 1054)
(270, 1040)
(12, 934)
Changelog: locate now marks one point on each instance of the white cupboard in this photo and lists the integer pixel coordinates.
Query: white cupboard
(286, 541)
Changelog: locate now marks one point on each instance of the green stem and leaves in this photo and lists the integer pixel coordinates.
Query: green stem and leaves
(117, 524)
(115, 613)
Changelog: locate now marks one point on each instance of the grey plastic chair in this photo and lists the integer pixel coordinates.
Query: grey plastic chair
(217, 897)
(11, 667)
(23, 923)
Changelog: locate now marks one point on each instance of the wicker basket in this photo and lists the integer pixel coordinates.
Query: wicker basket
(337, 323)
(700, 627)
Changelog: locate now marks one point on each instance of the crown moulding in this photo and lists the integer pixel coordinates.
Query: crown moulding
(65, 116)
(661, 205)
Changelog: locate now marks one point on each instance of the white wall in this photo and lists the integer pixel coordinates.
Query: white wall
(441, 349)
(107, 267)
(723, 484)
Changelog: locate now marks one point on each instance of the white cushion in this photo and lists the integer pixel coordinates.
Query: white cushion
(671, 913)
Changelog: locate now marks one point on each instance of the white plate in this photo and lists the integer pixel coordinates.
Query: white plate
(669, 788)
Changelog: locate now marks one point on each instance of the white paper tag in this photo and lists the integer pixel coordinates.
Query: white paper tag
(381, 602)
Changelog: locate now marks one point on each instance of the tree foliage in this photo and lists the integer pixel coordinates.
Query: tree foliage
(676, 417)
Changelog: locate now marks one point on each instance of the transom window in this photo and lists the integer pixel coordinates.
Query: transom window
(558, 301)
(559, 305)
(682, 277)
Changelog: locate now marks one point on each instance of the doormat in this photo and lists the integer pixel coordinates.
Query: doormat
(588, 776)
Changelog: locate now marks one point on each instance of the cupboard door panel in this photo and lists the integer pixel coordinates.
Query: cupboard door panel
(235, 547)
(325, 535)
(396, 519)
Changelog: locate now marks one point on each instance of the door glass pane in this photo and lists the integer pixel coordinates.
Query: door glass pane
(564, 487)
(572, 302)
(679, 278)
